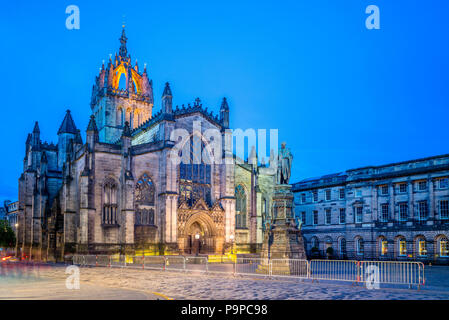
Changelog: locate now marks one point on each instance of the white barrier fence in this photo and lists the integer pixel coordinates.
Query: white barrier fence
(381, 272)
(367, 272)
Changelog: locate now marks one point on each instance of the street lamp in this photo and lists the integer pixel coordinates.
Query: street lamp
(232, 243)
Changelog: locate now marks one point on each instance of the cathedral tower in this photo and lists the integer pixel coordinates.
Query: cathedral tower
(121, 94)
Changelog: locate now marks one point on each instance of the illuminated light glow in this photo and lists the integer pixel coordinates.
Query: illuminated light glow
(384, 250)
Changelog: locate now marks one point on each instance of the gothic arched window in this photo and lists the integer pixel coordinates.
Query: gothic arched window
(109, 203)
(194, 173)
(120, 117)
(240, 207)
(145, 201)
(265, 215)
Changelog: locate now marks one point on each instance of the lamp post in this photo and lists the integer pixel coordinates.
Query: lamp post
(232, 243)
(17, 237)
(198, 244)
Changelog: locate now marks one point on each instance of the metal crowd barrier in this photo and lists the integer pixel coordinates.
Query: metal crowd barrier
(374, 272)
(295, 268)
(253, 266)
(368, 272)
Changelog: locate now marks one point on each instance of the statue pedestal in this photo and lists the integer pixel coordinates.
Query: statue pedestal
(283, 240)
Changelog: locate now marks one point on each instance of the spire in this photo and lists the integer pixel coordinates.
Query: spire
(224, 105)
(67, 125)
(253, 156)
(167, 99)
(126, 130)
(36, 128)
(92, 126)
(123, 51)
(224, 113)
(167, 90)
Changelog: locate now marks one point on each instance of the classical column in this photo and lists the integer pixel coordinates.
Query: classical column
(392, 207)
(375, 213)
(410, 200)
(431, 198)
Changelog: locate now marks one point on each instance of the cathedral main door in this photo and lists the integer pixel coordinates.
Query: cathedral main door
(199, 234)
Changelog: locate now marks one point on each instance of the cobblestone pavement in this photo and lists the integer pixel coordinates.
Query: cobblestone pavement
(118, 283)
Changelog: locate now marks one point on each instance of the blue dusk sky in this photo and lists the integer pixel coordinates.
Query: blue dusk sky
(342, 96)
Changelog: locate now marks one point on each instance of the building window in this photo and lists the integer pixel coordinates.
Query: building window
(422, 250)
(358, 214)
(444, 247)
(403, 188)
(328, 195)
(328, 216)
(342, 194)
(360, 246)
(342, 217)
(342, 246)
(120, 117)
(315, 217)
(422, 210)
(303, 198)
(384, 190)
(443, 183)
(240, 207)
(422, 185)
(195, 172)
(403, 211)
(145, 201)
(109, 203)
(315, 195)
(303, 217)
(402, 247)
(383, 247)
(358, 192)
(385, 212)
(444, 209)
(144, 217)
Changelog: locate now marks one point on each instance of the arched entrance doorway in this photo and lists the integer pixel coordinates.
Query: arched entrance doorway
(200, 235)
(196, 239)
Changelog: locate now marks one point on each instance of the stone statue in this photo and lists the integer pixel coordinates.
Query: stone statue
(285, 160)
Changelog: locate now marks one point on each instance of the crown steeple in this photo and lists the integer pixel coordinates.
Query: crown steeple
(120, 83)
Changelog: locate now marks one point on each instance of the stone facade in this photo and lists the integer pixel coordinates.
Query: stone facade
(120, 192)
(397, 211)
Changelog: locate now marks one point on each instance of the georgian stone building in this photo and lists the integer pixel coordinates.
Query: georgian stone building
(119, 191)
(397, 211)
(11, 213)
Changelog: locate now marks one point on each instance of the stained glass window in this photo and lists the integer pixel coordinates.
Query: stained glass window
(195, 173)
(240, 207)
(145, 201)
(109, 203)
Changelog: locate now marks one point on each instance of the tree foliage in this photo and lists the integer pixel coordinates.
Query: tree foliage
(7, 236)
